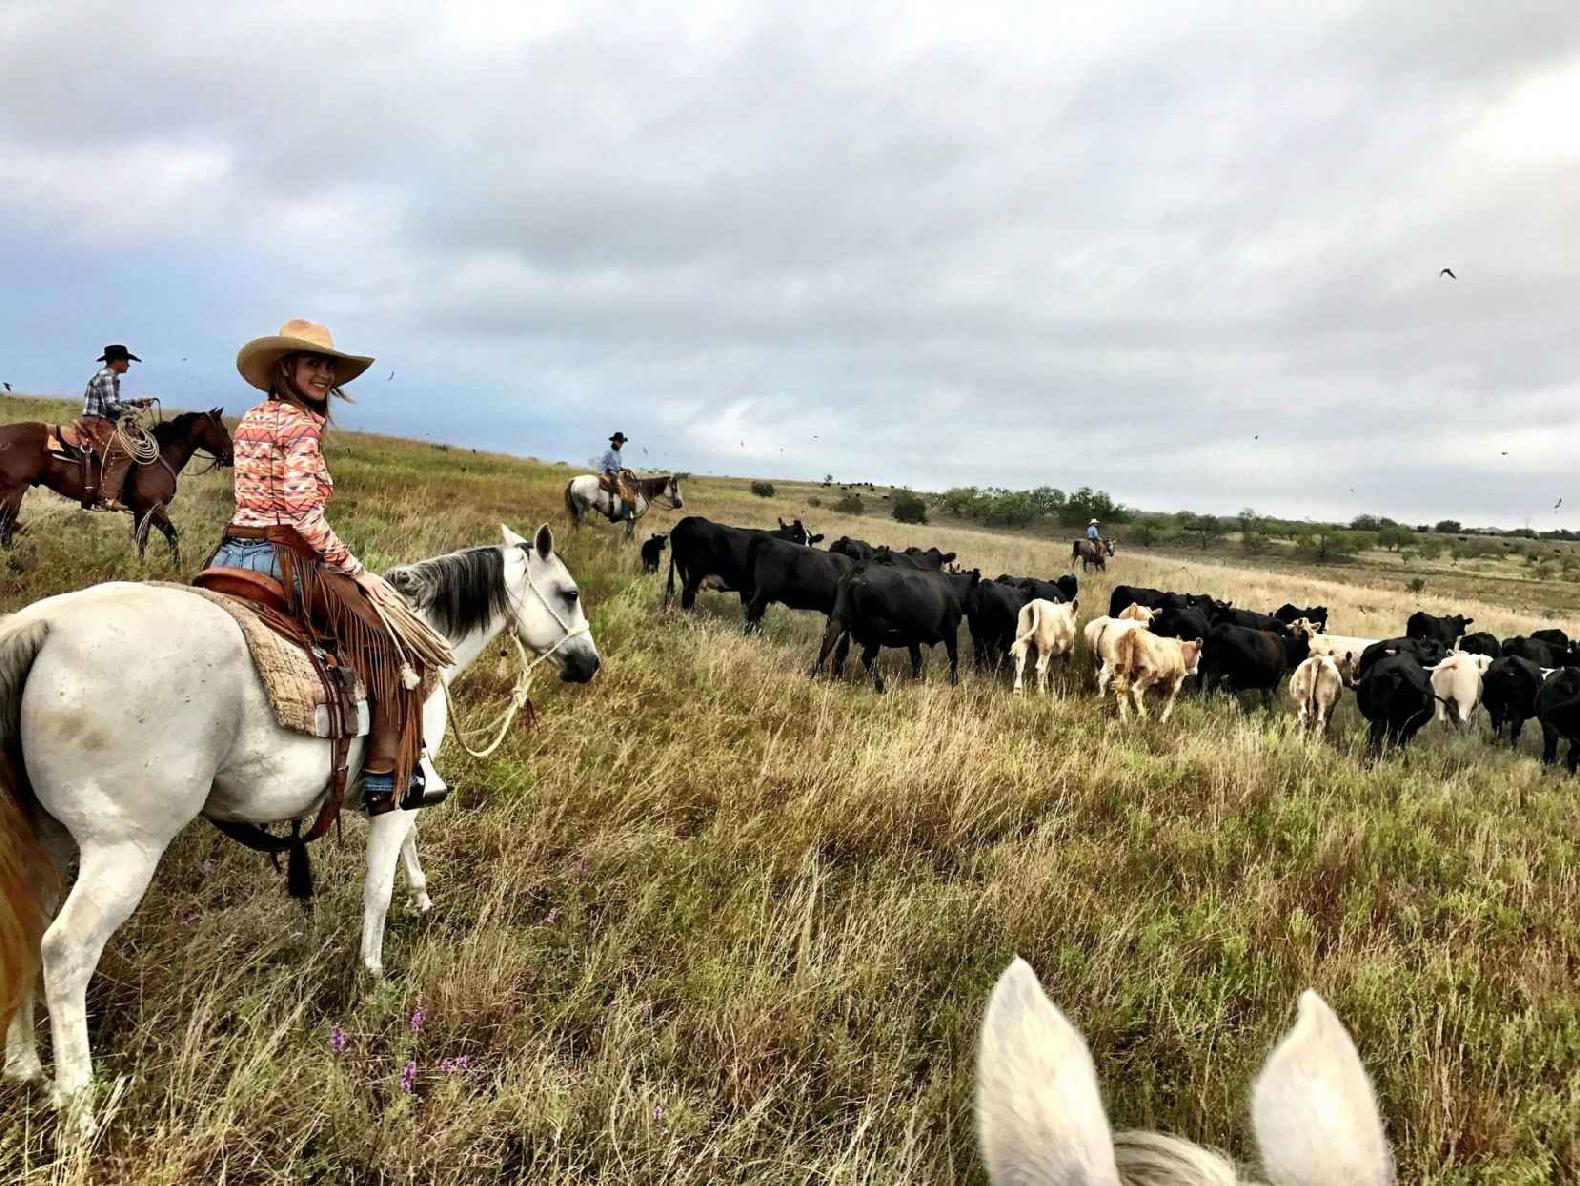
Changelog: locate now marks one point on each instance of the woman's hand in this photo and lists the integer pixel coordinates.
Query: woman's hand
(376, 587)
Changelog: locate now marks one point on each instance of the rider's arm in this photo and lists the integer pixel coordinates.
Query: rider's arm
(307, 490)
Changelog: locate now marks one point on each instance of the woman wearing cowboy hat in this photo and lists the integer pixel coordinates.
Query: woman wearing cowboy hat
(282, 488)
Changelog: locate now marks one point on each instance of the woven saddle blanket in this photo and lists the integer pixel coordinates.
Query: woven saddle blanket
(298, 697)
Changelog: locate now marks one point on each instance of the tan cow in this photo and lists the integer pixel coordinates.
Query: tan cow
(1316, 687)
(1047, 628)
(1143, 660)
(1102, 634)
(1137, 613)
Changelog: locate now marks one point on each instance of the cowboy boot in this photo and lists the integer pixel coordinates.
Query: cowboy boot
(113, 478)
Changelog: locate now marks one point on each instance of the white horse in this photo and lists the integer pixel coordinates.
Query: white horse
(585, 495)
(127, 711)
(1040, 1118)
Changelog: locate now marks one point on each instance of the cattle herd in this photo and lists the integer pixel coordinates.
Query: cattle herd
(1149, 640)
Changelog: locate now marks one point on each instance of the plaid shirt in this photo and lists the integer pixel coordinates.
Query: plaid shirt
(281, 478)
(103, 397)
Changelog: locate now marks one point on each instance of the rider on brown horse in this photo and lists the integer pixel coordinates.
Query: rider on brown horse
(617, 480)
(102, 408)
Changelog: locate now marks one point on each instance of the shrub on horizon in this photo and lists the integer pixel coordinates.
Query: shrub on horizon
(763, 489)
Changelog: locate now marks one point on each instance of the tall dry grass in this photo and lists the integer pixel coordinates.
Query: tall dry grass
(715, 922)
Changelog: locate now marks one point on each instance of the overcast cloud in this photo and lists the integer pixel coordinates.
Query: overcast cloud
(1187, 254)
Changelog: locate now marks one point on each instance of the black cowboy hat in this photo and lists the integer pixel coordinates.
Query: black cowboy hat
(620, 437)
(117, 353)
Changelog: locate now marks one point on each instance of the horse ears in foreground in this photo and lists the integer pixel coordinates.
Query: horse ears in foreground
(544, 541)
(511, 538)
(1040, 1115)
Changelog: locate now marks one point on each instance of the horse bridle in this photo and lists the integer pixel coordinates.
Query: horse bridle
(521, 693)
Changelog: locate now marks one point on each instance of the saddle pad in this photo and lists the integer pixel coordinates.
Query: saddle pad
(296, 694)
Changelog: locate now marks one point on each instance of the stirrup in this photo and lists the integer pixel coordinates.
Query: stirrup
(423, 791)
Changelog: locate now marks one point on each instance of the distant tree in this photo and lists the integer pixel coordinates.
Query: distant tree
(1395, 536)
(1204, 529)
(1365, 523)
(1324, 544)
(1046, 500)
(1416, 584)
(963, 501)
(1145, 533)
(908, 508)
(1086, 504)
(828, 479)
(850, 504)
(763, 489)
(1448, 526)
(1253, 531)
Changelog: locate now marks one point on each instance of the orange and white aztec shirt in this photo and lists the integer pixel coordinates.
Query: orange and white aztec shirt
(281, 478)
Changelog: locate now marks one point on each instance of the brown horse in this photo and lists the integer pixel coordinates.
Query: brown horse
(25, 460)
(1092, 555)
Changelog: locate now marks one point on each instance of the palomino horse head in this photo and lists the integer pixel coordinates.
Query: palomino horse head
(546, 605)
(1040, 1114)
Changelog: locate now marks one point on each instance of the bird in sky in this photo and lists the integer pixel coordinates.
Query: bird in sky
(392, 375)
(644, 450)
(1558, 504)
(1505, 453)
(1449, 272)
(8, 387)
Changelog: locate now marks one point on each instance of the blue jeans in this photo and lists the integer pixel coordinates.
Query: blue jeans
(254, 554)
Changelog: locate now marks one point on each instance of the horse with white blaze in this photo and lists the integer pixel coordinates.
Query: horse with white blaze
(83, 674)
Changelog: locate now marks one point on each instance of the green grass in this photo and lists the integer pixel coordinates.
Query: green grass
(713, 922)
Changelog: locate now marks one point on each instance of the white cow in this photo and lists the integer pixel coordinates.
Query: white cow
(1456, 682)
(1316, 687)
(1049, 629)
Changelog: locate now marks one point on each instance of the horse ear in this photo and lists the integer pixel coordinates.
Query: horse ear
(544, 542)
(511, 538)
(1313, 1109)
(1040, 1116)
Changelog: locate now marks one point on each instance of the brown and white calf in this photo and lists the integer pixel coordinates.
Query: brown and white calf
(1316, 687)
(1102, 636)
(1144, 660)
(1046, 628)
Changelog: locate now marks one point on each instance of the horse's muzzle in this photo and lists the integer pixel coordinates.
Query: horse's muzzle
(579, 666)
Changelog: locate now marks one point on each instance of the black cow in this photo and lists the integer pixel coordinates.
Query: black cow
(1556, 639)
(703, 550)
(932, 560)
(1246, 660)
(1225, 614)
(1395, 696)
(652, 549)
(1181, 623)
(1445, 630)
(1428, 652)
(1534, 649)
(1508, 691)
(1289, 614)
(993, 612)
(791, 575)
(856, 549)
(1558, 710)
(886, 606)
(1124, 596)
(1481, 644)
(1059, 592)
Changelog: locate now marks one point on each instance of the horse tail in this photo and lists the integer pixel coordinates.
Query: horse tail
(570, 503)
(24, 865)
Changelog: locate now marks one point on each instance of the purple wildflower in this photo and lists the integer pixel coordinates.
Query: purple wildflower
(419, 1015)
(337, 1039)
(451, 1065)
(461, 1063)
(408, 1076)
(658, 1113)
(552, 917)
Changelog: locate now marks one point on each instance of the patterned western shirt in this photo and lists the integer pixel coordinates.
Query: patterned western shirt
(281, 478)
(103, 397)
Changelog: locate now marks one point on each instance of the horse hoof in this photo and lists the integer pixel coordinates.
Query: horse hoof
(23, 1070)
(419, 903)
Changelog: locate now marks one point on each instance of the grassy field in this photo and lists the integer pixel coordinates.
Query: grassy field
(714, 922)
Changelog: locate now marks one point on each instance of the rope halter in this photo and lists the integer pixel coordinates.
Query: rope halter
(520, 694)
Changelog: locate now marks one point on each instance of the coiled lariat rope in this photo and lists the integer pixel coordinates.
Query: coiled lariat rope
(135, 441)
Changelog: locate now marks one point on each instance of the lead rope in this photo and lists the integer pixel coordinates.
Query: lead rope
(520, 694)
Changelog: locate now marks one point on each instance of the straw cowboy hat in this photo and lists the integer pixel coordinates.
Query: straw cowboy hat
(256, 360)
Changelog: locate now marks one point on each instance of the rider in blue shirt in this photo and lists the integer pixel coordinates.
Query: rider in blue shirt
(616, 482)
(1091, 531)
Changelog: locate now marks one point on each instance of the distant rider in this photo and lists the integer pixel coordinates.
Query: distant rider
(1092, 533)
(102, 408)
(617, 480)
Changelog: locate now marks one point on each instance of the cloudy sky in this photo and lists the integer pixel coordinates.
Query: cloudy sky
(1187, 253)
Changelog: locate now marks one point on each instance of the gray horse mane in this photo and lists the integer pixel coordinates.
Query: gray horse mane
(463, 591)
